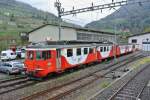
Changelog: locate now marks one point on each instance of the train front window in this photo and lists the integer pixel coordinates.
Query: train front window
(38, 55)
(46, 55)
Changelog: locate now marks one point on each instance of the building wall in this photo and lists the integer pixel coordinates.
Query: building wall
(94, 36)
(140, 39)
(68, 34)
(51, 33)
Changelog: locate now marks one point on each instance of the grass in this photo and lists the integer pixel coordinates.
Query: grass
(12, 33)
(141, 62)
(104, 84)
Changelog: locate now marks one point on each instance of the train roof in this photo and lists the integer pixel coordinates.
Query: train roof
(60, 46)
(66, 46)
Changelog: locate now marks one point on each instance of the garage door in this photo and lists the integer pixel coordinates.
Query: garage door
(146, 45)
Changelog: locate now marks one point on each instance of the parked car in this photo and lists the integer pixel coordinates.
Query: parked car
(20, 53)
(12, 67)
(8, 55)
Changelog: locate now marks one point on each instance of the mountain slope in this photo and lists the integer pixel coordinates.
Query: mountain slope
(16, 17)
(133, 18)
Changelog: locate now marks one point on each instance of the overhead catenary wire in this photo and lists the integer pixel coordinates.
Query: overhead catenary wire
(98, 7)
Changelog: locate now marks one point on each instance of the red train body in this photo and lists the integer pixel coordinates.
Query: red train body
(43, 60)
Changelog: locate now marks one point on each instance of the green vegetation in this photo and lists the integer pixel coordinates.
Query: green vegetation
(147, 29)
(141, 62)
(17, 17)
(104, 84)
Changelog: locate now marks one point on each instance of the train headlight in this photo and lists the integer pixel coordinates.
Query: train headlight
(49, 64)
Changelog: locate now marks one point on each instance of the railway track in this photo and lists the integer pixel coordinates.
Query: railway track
(9, 85)
(63, 90)
(134, 87)
(11, 79)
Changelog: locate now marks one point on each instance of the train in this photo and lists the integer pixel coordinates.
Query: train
(42, 60)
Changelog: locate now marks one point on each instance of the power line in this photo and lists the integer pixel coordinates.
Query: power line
(93, 8)
(97, 7)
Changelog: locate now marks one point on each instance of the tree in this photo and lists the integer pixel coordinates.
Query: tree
(45, 20)
(12, 17)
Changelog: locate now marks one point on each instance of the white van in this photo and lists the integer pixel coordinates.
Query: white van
(8, 55)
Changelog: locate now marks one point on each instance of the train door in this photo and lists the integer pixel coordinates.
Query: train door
(58, 59)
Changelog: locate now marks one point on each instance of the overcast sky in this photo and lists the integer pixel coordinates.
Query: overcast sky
(81, 19)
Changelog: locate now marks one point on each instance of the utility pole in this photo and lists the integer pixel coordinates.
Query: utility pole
(57, 4)
(115, 43)
(61, 11)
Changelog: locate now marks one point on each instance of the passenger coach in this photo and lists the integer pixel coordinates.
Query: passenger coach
(42, 60)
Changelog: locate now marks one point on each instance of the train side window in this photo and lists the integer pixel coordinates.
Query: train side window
(101, 49)
(78, 51)
(104, 49)
(69, 52)
(85, 51)
(90, 50)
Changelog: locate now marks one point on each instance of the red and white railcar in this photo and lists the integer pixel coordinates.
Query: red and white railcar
(43, 60)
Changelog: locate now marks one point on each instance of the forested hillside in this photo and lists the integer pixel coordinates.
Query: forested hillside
(18, 17)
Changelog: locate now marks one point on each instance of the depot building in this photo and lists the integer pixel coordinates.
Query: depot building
(142, 39)
(50, 32)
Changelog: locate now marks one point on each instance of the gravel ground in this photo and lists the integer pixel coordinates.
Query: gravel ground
(104, 95)
(146, 93)
(135, 86)
(54, 82)
(3, 76)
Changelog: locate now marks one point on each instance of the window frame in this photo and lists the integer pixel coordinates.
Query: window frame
(101, 49)
(47, 55)
(134, 40)
(107, 48)
(71, 52)
(40, 54)
(30, 52)
(85, 53)
(78, 52)
(90, 50)
(104, 49)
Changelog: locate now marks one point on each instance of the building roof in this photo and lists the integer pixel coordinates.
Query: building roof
(139, 34)
(77, 28)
